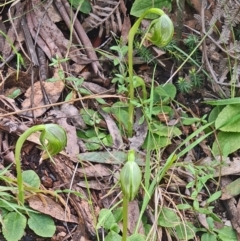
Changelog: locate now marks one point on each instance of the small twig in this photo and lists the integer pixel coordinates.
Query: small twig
(63, 102)
(29, 42)
(85, 40)
(205, 53)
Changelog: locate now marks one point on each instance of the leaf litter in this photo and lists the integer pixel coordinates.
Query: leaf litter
(100, 131)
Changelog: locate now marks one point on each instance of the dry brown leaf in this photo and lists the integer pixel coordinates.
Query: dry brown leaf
(47, 206)
(53, 91)
(140, 132)
(133, 216)
(113, 130)
(93, 184)
(97, 170)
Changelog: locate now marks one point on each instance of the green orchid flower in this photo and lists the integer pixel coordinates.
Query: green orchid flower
(161, 31)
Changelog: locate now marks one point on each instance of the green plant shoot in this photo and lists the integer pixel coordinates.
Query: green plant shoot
(53, 139)
(130, 179)
(160, 33)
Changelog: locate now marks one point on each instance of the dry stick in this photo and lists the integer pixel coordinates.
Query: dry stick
(216, 85)
(38, 39)
(13, 23)
(63, 102)
(50, 43)
(29, 42)
(85, 40)
(66, 19)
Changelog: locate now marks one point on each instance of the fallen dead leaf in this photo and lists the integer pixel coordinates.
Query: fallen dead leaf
(53, 91)
(133, 216)
(110, 157)
(93, 184)
(97, 170)
(47, 206)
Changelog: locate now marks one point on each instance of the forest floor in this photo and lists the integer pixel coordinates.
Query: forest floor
(162, 101)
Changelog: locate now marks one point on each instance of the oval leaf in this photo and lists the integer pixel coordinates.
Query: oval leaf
(168, 218)
(14, 225)
(42, 225)
(31, 178)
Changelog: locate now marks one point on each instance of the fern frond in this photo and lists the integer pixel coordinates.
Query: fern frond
(105, 14)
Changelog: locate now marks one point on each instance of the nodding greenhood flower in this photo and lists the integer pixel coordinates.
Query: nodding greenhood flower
(130, 177)
(53, 139)
(161, 31)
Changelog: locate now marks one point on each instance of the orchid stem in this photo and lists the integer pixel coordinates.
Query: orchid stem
(23, 137)
(131, 36)
(125, 218)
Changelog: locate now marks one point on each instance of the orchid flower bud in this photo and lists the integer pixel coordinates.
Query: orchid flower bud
(161, 31)
(53, 139)
(130, 177)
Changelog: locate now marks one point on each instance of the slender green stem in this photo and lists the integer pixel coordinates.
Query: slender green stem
(18, 148)
(125, 218)
(131, 36)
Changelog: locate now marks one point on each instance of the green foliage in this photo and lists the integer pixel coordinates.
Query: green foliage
(184, 85)
(14, 221)
(85, 5)
(41, 224)
(14, 225)
(160, 33)
(31, 178)
(145, 53)
(140, 6)
(227, 121)
(191, 82)
(168, 218)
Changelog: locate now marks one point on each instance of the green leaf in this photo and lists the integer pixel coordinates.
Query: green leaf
(214, 196)
(231, 101)
(86, 6)
(184, 206)
(156, 142)
(164, 93)
(93, 144)
(228, 142)
(140, 6)
(168, 218)
(190, 121)
(231, 190)
(112, 236)
(229, 119)
(106, 219)
(43, 225)
(209, 237)
(214, 113)
(185, 231)
(14, 225)
(136, 237)
(31, 178)
(227, 233)
(118, 214)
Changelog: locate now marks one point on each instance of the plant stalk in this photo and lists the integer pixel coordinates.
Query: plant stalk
(131, 36)
(23, 137)
(125, 218)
